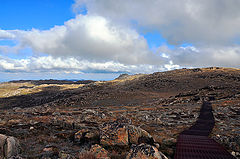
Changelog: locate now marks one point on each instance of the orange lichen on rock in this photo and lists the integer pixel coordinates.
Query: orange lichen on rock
(99, 152)
(114, 134)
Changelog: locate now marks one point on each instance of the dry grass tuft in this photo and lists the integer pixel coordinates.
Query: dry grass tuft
(17, 89)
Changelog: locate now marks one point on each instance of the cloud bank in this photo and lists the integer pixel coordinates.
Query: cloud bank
(73, 65)
(204, 56)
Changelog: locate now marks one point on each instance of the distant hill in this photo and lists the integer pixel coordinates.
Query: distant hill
(53, 81)
(184, 80)
(214, 83)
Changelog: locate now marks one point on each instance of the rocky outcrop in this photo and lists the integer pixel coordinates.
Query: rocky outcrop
(9, 146)
(137, 135)
(145, 151)
(122, 76)
(122, 134)
(50, 151)
(114, 134)
(89, 134)
(99, 152)
(226, 130)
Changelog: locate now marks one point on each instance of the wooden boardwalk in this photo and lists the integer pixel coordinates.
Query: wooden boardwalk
(194, 142)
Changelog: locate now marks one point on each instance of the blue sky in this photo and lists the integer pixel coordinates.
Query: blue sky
(101, 39)
(28, 14)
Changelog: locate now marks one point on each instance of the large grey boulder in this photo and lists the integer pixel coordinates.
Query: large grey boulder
(9, 146)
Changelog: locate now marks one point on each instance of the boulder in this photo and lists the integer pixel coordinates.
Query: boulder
(119, 133)
(50, 148)
(49, 151)
(145, 151)
(114, 134)
(9, 146)
(137, 135)
(99, 152)
(88, 134)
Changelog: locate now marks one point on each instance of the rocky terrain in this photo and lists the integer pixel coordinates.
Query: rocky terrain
(137, 116)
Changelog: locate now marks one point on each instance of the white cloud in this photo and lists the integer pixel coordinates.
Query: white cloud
(6, 35)
(224, 56)
(9, 65)
(84, 44)
(214, 22)
(91, 38)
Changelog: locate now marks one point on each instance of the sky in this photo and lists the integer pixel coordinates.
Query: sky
(93, 39)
